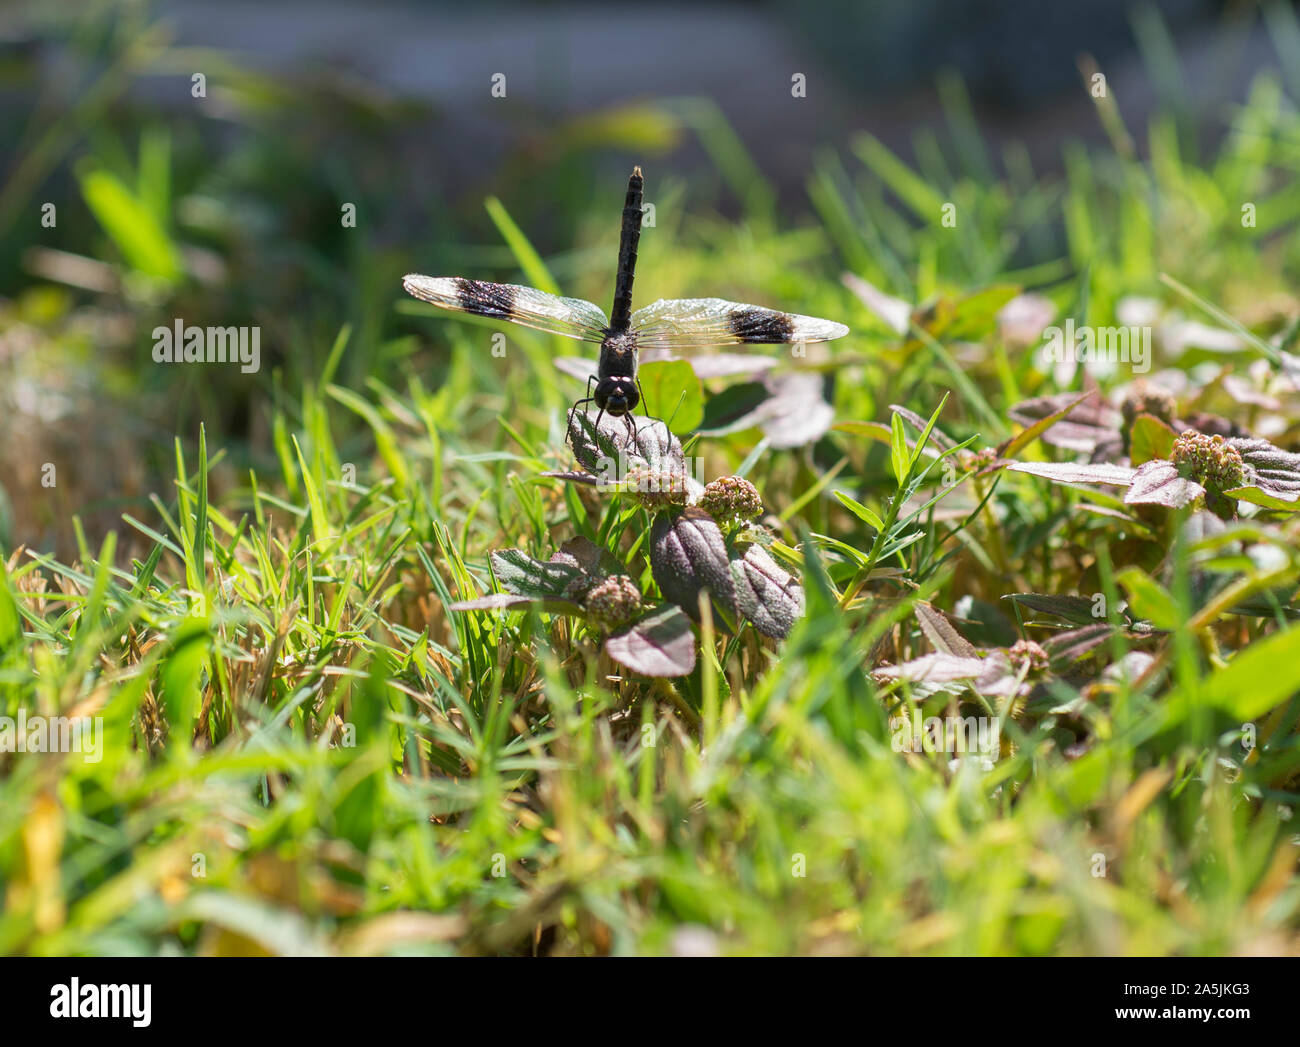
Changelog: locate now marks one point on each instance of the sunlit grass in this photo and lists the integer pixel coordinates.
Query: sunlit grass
(305, 750)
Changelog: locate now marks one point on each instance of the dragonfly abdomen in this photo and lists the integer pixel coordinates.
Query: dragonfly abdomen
(620, 317)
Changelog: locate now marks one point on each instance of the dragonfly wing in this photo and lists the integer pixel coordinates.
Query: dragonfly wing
(684, 323)
(526, 306)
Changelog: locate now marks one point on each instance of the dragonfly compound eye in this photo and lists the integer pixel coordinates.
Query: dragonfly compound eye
(616, 397)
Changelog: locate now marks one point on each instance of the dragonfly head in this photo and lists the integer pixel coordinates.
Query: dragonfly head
(617, 395)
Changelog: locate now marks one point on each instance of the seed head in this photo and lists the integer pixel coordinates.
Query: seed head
(1148, 399)
(969, 460)
(1025, 654)
(1209, 460)
(731, 498)
(614, 601)
(656, 488)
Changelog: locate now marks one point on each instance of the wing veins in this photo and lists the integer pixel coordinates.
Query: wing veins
(685, 323)
(514, 303)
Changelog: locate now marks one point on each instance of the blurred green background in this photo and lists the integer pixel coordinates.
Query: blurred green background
(225, 209)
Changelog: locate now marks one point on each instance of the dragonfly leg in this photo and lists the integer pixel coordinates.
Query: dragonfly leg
(647, 410)
(568, 432)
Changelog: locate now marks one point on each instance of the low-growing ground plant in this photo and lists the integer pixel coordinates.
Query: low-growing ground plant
(935, 640)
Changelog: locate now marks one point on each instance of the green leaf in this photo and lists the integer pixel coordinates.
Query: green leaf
(1257, 497)
(1260, 677)
(199, 543)
(319, 518)
(860, 511)
(673, 392)
(1148, 599)
(898, 452)
(871, 430)
(1149, 438)
(153, 178)
(1077, 609)
(182, 681)
(131, 225)
(11, 621)
(968, 317)
(385, 441)
(924, 438)
(911, 188)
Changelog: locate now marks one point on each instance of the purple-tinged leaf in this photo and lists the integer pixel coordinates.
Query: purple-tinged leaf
(797, 413)
(689, 555)
(620, 444)
(1023, 319)
(573, 476)
(1066, 647)
(1077, 609)
(1178, 336)
(1078, 472)
(576, 367)
(1211, 425)
(992, 676)
(521, 575)
(1290, 364)
(937, 438)
(1129, 668)
(593, 560)
(766, 593)
(1244, 392)
(1273, 472)
(730, 365)
(894, 312)
(513, 602)
(788, 408)
(1000, 678)
(1038, 428)
(1091, 423)
(934, 668)
(1158, 482)
(660, 644)
(942, 633)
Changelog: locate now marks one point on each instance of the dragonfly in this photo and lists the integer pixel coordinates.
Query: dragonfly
(665, 327)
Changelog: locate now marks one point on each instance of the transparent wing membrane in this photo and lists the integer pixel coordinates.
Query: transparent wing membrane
(684, 323)
(526, 306)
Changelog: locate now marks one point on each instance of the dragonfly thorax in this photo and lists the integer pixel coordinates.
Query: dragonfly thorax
(617, 356)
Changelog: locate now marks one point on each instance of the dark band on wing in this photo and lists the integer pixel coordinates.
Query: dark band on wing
(758, 326)
(485, 299)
